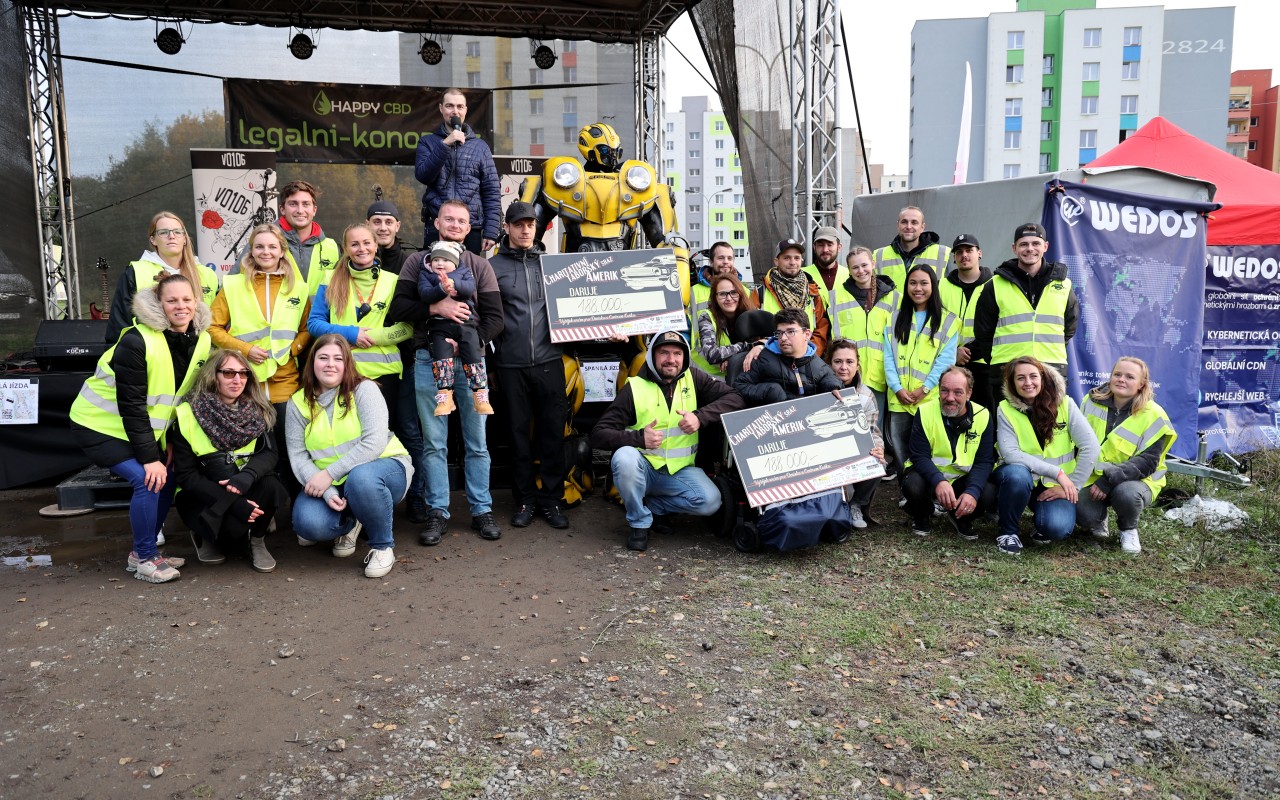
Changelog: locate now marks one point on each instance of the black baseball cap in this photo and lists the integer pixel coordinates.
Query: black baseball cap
(966, 240)
(520, 210)
(789, 244)
(384, 208)
(1030, 229)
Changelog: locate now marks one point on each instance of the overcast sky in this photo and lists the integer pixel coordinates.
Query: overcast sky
(880, 45)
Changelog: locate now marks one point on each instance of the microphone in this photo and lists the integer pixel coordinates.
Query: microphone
(455, 122)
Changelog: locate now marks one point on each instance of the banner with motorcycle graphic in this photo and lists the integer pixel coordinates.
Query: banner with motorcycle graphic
(615, 293)
(801, 447)
(235, 190)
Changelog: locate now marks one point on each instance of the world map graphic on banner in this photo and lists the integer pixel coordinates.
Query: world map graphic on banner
(1138, 287)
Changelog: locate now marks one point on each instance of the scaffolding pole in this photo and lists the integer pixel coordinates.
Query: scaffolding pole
(815, 135)
(648, 71)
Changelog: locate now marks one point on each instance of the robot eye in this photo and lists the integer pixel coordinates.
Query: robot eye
(595, 131)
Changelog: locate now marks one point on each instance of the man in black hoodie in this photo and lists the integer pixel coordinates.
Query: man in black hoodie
(960, 291)
(912, 244)
(1028, 308)
(652, 429)
(788, 365)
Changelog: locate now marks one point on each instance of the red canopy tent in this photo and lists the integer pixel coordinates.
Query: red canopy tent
(1250, 195)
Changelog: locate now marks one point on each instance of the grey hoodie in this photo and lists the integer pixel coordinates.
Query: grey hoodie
(1082, 435)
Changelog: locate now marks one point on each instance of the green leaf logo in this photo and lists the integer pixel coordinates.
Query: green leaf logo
(322, 105)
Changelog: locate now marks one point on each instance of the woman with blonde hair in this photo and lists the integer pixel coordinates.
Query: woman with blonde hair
(169, 253)
(1136, 436)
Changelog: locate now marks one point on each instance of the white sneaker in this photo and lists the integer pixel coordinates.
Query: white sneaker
(305, 542)
(1129, 541)
(379, 563)
(1100, 530)
(858, 521)
(345, 545)
(160, 537)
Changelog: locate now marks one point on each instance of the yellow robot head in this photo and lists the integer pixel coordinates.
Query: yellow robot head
(601, 147)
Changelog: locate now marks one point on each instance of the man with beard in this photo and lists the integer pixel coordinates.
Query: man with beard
(787, 286)
(830, 276)
(952, 454)
(912, 245)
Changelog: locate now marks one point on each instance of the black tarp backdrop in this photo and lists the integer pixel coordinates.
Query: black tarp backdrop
(21, 277)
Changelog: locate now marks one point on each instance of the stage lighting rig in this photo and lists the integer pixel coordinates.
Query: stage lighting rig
(431, 52)
(543, 56)
(170, 39)
(302, 46)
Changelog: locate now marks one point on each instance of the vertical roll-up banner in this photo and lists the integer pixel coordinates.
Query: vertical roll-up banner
(234, 191)
(1135, 264)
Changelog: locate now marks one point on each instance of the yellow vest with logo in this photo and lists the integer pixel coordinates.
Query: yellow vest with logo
(838, 298)
(678, 448)
(380, 359)
(914, 359)
(324, 257)
(95, 407)
(199, 440)
(1060, 450)
(866, 329)
(1025, 331)
(890, 264)
(145, 274)
(953, 300)
(722, 339)
(327, 441)
(952, 465)
(1134, 435)
(249, 324)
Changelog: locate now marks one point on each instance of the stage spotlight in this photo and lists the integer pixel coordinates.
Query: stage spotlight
(169, 41)
(301, 46)
(544, 57)
(431, 52)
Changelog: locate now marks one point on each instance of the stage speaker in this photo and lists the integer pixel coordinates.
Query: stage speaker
(70, 345)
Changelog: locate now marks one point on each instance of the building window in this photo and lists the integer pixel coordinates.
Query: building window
(671, 126)
(506, 70)
(669, 163)
(719, 215)
(736, 161)
(571, 107)
(1012, 170)
(1047, 65)
(719, 144)
(695, 190)
(737, 180)
(570, 74)
(1046, 161)
(695, 173)
(719, 125)
(1013, 107)
(473, 80)
(1128, 104)
(719, 162)
(535, 105)
(506, 100)
(1046, 97)
(473, 49)
(739, 252)
(695, 208)
(739, 236)
(1088, 140)
(1132, 36)
(1014, 40)
(1129, 70)
(695, 135)
(569, 47)
(1013, 73)
(508, 129)
(739, 216)
(1046, 130)
(737, 199)
(571, 136)
(535, 136)
(695, 154)
(719, 233)
(1088, 105)
(1089, 71)
(1093, 37)
(1253, 122)
(668, 145)
(1253, 144)
(695, 226)
(537, 76)
(1012, 140)
(719, 180)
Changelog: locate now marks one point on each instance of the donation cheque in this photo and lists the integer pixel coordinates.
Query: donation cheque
(615, 293)
(801, 447)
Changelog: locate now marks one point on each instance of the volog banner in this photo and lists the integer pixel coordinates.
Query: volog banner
(1240, 380)
(1134, 264)
(341, 123)
(234, 191)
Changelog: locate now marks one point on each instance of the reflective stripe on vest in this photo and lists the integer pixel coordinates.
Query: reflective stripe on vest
(146, 273)
(96, 407)
(380, 359)
(722, 339)
(866, 329)
(1022, 330)
(1134, 435)
(199, 440)
(327, 441)
(699, 297)
(678, 449)
(915, 359)
(1061, 451)
(837, 298)
(950, 464)
(891, 265)
(276, 336)
(953, 300)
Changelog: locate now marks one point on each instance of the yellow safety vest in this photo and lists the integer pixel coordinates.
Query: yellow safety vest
(953, 300)
(699, 299)
(1137, 433)
(380, 359)
(769, 302)
(324, 257)
(866, 329)
(915, 359)
(250, 325)
(327, 441)
(199, 440)
(1060, 451)
(838, 298)
(95, 407)
(890, 264)
(678, 448)
(1025, 331)
(146, 272)
(953, 465)
(713, 370)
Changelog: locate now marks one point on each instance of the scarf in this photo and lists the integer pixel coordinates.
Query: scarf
(791, 292)
(229, 427)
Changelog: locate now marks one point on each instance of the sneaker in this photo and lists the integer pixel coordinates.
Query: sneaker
(638, 540)
(1009, 544)
(444, 403)
(480, 398)
(156, 570)
(902, 502)
(417, 509)
(938, 510)
(206, 551)
(306, 542)
(1100, 530)
(523, 516)
(963, 526)
(554, 516)
(1129, 541)
(661, 524)
(858, 521)
(436, 528)
(175, 561)
(1040, 539)
(379, 562)
(160, 537)
(920, 528)
(345, 545)
(259, 556)
(486, 525)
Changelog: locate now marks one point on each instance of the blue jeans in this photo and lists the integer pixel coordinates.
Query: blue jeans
(435, 441)
(646, 491)
(409, 430)
(1016, 489)
(371, 489)
(147, 509)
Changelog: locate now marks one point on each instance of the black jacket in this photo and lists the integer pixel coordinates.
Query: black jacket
(392, 258)
(526, 333)
(987, 314)
(984, 460)
(774, 377)
(200, 481)
(407, 306)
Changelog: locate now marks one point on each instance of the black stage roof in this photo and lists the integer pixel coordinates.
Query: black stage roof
(595, 20)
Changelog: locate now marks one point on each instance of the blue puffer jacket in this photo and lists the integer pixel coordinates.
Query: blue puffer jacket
(463, 172)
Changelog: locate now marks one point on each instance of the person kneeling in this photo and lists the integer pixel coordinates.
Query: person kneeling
(952, 449)
(652, 428)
